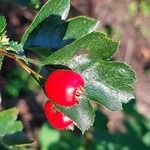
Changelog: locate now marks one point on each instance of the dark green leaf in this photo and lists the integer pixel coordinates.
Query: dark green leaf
(82, 114)
(50, 36)
(94, 44)
(8, 123)
(51, 8)
(109, 83)
(2, 25)
(18, 138)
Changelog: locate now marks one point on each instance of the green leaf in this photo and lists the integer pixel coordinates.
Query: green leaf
(109, 83)
(50, 36)
(8, 123)
(94, 44)
(51, 8)
(51, 139)
(2, 37)
(48, 137)
(82, 114)
(2, 25)
(79, 26)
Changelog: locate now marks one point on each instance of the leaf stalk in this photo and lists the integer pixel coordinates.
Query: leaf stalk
(20, 62)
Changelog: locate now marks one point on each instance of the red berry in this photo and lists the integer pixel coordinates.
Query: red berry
(56, 118)
(64, 87)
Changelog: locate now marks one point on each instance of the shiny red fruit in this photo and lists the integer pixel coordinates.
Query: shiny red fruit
(57, 118)
(64, 87)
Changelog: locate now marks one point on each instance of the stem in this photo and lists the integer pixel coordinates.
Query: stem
(6, 54)
(29, 60)
(22, 64)
(22, 58)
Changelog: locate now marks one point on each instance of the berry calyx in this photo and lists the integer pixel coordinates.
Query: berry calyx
(64, 87)
(56, 118)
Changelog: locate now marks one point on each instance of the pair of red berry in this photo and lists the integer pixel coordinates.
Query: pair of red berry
(63, 87)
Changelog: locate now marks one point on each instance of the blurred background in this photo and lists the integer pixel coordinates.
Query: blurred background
(127, 21)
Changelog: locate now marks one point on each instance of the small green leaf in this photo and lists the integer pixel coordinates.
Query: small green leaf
(109, 83)
(94, 44)
(2, 25)
(4, 41)
(82, 114)
(51, 8)
(8, 123)
(16, 47)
